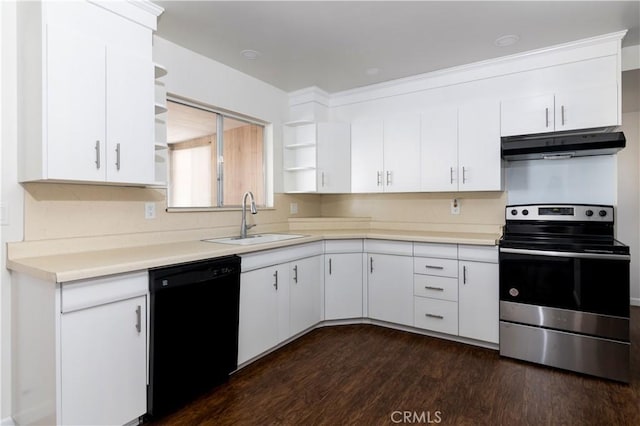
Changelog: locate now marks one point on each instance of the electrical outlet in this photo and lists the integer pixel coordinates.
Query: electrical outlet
(455, 206)
(293, 208)
(149, 210)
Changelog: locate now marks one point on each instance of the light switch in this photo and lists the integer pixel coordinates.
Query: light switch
(293, 208)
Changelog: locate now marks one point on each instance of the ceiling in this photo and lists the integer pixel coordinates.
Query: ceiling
(340, 45)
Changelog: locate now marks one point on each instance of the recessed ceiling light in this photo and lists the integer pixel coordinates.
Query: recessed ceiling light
(250, 54)
(506, 40)
(372, 71)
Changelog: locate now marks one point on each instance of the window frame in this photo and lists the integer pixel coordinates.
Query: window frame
(221, 114)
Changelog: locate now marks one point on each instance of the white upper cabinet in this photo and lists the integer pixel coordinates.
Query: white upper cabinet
(75, 107)
(130, 142)
(460, 148)
(439, 150)
(583, 109)
(367, 150)
(564, 110)
(386, 155)
(86, 87)
(402, 154)
(317, 157)
(479, 162)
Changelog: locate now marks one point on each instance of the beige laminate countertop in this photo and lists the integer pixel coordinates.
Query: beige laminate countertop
(96, 263)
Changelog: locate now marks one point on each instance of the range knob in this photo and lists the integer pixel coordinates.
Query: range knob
(525, 212)
(514, 212)
(589, 213)
(602, 213)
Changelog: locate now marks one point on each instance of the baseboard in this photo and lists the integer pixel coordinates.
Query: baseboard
(635, 301)
(7, 421)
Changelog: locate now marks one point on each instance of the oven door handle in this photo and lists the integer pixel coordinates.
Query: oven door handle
(566, 254)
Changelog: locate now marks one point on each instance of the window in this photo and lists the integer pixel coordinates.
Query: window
(214, 158)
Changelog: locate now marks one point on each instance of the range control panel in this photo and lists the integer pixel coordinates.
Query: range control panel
(566, 212)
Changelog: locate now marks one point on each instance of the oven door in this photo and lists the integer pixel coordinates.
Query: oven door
(586, 282)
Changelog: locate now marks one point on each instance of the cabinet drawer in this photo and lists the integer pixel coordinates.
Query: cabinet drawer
(478, 253)
(432, 266)
(436, 315)
(98, 291)
(444, 288)
(399, 248)
(343, 246)
(442, 251)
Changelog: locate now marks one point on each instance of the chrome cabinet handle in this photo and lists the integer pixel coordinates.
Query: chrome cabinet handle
(388, 178)
(117, 156)
(434, 316)
(329, 266)
(546, 117)
(371, 264)
(379, 178)
(275, 275)
(295, 274)
(97, 148)
(562, 114)
(464, 274)
(434, 267)
(450, 174)
(464, 174)
(323, 179)
(139, 318)
(428, 287)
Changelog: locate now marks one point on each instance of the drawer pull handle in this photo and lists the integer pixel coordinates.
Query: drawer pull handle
(433, 288)
(434, 316)
(139, 318)
(275, 284)
(295, 274)
(434, 267)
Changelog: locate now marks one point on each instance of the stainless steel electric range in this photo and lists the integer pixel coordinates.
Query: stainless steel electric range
(564, 289)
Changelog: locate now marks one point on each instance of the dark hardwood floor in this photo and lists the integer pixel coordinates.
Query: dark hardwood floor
(369, 375)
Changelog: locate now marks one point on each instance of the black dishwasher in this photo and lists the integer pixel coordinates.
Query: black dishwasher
(193, 341)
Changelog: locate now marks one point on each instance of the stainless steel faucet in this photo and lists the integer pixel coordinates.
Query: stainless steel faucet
(243, 226)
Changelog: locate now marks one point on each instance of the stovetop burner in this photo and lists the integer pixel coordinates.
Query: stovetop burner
(582, 228)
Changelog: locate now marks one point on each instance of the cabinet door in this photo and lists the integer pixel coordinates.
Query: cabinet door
(528, 115)
(586, 108)
(343, 286)
(366, 156)
(390, 288)
(402, 154)
(306, 281)
(478, 301)
(439, 150)
(334, 158)
(130, 118)
(479, 161)
(104, 363)
(264, 310)
(75, 107)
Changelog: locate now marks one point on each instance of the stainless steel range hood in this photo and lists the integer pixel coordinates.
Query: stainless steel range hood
(552, 146)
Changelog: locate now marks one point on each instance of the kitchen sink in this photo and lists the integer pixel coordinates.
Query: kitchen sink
(254, 239)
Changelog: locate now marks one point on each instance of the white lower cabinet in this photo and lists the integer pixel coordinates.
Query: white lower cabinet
(104, 363)
(390, 282)
(343, 279)
(478, 293)
(305, 287)
(264, 310)
(82, 350)
(280, 296)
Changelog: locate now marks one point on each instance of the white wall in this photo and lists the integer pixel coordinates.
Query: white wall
(628, 214)
(11, 193)
(200, 79)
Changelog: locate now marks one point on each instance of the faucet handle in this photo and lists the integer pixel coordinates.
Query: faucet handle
(250, 226)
